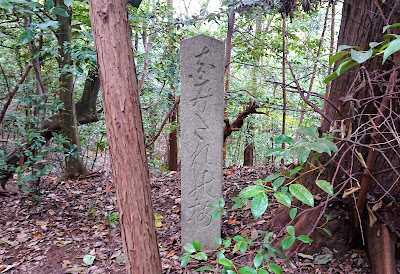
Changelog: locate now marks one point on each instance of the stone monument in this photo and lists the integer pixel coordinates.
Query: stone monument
(201, 112)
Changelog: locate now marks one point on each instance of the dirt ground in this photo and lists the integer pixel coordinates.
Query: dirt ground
(69, 227)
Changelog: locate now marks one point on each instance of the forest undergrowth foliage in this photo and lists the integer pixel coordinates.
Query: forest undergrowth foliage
(284, 187)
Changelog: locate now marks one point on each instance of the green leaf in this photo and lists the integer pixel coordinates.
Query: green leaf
(226, 243)
(237, 206)
(388, 37)
(236, 247)
(60, 12)
(302, 194)
(327, 217)
(323, 145)
(361, 57)
(238, 238)
(337, 56)
(262, 271)
(88, 259)
(185, 259)
(293, 213)
(3, 35)
(200, 256)
(259, 182)
(290, 230)
(301, 153)
(218, 240)
(47, 24)
(215, 215)
(287, 242)
(275, 268)
(308, 131)
(392, 48)
(258, 259)
(283, 198)
(326, 231)
(271, 177)
(220, 254)
(304, 239)
(243, 247)
(315, 157)
(331, 77)
(259, 204)
(215, 206)
(225, 262)
(221, 202)
(27, 36)
(344, 47)
(277, 183)
(284, 139)
(49, 4)
(68, 2)
(251, 191)
(390, 26)
(346, 66)
(325, 186)
(196, 245)
(206, 267)
(295, 170)
(247, 270)
(6, 5)
(273, 151)
(189, 248)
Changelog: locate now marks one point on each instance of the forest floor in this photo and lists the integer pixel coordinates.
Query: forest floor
(68, 226)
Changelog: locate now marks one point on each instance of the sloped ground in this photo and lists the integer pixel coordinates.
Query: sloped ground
(55, 234)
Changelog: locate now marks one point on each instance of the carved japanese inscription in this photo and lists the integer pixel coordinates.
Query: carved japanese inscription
(201, 112)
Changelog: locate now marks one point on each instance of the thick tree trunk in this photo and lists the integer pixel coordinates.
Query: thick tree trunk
(68, 115)
(113, 44)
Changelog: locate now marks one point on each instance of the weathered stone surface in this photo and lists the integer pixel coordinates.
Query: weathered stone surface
(201, 112)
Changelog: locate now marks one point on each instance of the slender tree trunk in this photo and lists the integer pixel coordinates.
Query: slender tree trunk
(113, 44)
(228, 52)
(283, 79)
(332, 44)
(68, 118)
(173, 135)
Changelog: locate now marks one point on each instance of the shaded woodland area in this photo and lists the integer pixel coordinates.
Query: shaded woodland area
(90, 136)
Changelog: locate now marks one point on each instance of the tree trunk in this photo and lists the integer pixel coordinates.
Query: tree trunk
(228, 52)
(113, 44)
(68, 118)
(173, 142)
(248, 155)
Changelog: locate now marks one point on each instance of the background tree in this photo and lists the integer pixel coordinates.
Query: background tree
(68, 115)
(112, 36)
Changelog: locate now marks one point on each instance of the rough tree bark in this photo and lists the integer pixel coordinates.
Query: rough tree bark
(68, 115)
(113, 44)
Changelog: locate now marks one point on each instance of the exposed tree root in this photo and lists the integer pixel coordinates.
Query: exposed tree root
(381, 249)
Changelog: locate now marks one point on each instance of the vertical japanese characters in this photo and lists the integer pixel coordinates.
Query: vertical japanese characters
(201, 131)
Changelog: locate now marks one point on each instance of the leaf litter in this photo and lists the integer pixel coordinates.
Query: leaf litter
(68, 232)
